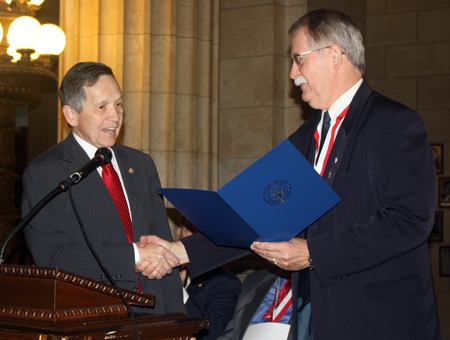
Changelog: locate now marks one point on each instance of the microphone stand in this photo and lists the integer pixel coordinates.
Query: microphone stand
(62, 187)
(102, 156)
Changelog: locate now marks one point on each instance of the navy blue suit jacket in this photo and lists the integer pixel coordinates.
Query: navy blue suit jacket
(213, 296)
(372, 276)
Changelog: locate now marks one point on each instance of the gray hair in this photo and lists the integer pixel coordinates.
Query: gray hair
(325, 27)
(71, 91)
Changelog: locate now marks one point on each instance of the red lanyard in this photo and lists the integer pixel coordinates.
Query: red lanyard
(333, 135)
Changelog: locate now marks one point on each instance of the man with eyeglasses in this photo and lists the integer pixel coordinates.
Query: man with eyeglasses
(365, 265)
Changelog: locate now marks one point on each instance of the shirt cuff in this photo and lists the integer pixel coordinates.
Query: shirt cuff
(137, 257)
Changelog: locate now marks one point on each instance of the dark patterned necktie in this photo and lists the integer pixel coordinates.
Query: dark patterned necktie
(325, 128)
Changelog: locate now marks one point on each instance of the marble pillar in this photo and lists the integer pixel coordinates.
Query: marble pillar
(258, 104)
(164, 54)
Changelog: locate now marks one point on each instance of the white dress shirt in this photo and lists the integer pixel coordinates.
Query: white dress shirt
(334, 111)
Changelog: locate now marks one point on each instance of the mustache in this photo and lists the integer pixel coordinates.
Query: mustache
(300, 80)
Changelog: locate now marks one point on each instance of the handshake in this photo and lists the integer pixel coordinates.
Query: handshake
(158, 257)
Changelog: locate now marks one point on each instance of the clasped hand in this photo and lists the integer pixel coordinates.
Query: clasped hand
(162, 256)
(156, 260)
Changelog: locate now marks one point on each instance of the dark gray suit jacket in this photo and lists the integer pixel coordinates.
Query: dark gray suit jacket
(54, 236)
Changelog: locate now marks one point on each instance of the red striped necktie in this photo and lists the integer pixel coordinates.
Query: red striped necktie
(281, 302)
(112, 182)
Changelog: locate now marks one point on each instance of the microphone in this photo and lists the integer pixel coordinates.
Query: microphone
(103, 156)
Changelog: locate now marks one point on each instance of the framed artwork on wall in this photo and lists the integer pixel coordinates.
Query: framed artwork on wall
(444, 192)
(438, 152)
(436, 234)
(444, 260)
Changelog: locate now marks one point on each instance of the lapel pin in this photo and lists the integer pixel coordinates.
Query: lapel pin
(131, 171)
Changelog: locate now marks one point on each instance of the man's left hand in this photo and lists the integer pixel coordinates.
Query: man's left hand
(292, 255)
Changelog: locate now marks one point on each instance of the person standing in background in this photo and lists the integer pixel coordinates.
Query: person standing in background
(210, 296)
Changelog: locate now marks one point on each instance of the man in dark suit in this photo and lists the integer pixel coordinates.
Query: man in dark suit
(210, 296)
(92, 104)
(365, 265)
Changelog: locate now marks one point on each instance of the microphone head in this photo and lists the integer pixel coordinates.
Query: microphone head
(105, 154)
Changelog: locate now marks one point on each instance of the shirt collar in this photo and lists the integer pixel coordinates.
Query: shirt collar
(343, 101)
(89, 148)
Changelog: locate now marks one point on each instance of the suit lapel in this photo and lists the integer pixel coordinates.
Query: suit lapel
(345, 140)
(197, 284)
(92, 186)
(333, 163)
(255, 299)
(356, 106)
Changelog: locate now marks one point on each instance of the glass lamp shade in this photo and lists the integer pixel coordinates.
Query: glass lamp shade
(36, 2)
(1, 32)
(53, 40)
(25, 32)
(12, 52)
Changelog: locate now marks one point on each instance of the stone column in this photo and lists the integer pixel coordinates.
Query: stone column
(164, 55)
(259, 105)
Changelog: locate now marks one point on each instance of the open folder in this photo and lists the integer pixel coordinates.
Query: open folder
(272, 200)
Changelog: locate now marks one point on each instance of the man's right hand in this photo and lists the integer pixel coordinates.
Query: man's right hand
(169, 254)
(155, 261)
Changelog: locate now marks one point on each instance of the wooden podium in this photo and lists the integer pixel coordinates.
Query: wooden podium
(51, 304)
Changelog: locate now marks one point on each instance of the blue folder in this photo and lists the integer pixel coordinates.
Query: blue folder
(272, 200)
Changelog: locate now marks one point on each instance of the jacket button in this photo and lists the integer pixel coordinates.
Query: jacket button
(103, 277)
(135, 289)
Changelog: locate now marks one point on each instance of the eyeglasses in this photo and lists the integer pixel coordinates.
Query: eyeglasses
(300, 61)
